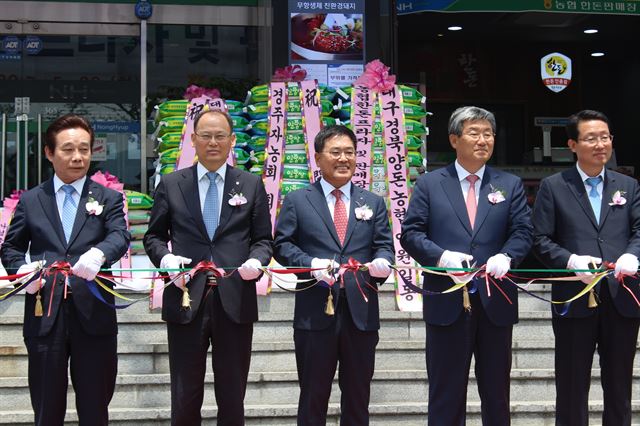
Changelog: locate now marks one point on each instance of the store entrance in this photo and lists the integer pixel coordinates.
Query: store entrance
(49, 69)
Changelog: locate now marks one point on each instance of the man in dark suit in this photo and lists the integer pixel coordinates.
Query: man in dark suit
(463, 212)
(581, 217)
(210, 211)
(323, 226)
(72, 219)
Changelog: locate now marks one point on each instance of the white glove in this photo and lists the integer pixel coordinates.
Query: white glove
(498, 265)
(627, 264)
(583, 262)
(454, 259)
(379, 268)
(324, 274)
(88, 265)
(34, 285)
(171, 261)
(250, 270)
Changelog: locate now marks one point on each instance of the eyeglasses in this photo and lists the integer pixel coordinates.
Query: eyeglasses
(475, 136)
(220, 137)
(592, 140)
(336, 154)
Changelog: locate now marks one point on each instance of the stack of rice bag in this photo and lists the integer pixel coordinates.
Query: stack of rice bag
(139, 206)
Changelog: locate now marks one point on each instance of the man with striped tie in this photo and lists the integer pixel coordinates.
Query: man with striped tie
(194, 211)
(72, 219)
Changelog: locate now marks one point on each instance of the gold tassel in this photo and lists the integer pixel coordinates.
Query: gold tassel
(38, 311)
(466, 302)
(329, 308)
(186, 300)
(592, 299)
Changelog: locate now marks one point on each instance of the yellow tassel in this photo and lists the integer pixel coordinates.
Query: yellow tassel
(466, 302)
(38, 311)
(186, 300)
(592, 299)
(329, 308)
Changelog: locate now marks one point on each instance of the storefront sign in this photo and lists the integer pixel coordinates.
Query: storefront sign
(11, 44)
(555, 70)
(32, 45)
(623, 7)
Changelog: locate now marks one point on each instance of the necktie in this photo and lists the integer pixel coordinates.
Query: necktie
(594, 198)
(210, 210)
(472, 204)
(339, 215)
(69, 209)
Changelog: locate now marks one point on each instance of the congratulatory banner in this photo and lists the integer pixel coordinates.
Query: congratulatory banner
(624, 7)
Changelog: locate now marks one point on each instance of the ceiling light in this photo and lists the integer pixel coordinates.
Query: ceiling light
(590, 31)
(597, 54)
(454, 28)
(440, 35)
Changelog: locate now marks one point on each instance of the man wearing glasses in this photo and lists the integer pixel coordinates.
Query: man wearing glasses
(582, 217)
(336, 321)
(462, 214)
(210, 212)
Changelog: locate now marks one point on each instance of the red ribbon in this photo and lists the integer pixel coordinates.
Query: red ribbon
(58, 267)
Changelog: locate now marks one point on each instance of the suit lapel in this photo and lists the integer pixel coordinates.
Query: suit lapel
(319, 203)
(48, 202)
(357, 199)
(232, 186)
(453, 191)
(189, 188)
(486, 185)
(608, 190)
(576, 187)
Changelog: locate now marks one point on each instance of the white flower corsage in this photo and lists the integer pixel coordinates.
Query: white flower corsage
(237, 200)
(363, 212)
(93, 207)
(618, 199)
(496, 195)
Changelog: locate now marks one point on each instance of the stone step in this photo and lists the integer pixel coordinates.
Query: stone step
(523, 413)
(388, 387)
(279, 356)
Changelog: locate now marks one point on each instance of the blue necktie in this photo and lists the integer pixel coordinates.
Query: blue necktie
(210, 210)
(69, 208)
(594, 198)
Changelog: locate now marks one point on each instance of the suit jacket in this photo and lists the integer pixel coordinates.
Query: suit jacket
(306, 230)
(36, 227)
(437, 220)
(564, 224)
(243, 232)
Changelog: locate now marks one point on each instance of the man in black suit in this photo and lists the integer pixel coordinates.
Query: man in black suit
(73, 219)
(210, 212)
(319, 229)
(583, 216)
(463, 212)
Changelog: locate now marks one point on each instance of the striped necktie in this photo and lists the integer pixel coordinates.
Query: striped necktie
(210, 210)
(69, 209)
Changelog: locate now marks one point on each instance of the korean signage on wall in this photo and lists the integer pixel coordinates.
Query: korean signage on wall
(625, 7)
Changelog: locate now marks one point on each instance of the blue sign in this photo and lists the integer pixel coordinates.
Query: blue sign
(33, 45)
(407, 6)
(143, 9)
(11, 44)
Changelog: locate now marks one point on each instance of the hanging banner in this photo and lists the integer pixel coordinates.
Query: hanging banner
(187, 150)
(310, 100)
(394, 134)
(555, 70)
(362, 117)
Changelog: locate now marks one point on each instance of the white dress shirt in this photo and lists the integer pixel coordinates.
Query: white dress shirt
(331, 200)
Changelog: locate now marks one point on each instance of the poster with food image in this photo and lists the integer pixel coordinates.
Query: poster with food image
(327, 37)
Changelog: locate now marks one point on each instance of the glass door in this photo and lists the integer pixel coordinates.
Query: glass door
(51, 69)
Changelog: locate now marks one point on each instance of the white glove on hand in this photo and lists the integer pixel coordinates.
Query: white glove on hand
(583, 262)
(88, 265)
(498, 265)
(379, 268)
(171, 261)
(34, 285)
(454, 259)
(324, 274)
(250, 270)
(627, 264)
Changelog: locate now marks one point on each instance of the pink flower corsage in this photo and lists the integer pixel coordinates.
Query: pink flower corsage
(237, 200)
(618, 199)
(363, 212)
(93, 207)
(376, 77)
(496, 196)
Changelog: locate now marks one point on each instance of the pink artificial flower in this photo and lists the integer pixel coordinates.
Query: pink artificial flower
(107, 180)
(376, 77)
(237, 200)
(16, 193)
(363, 212)
(496, 195)
(194, 91)
(618, 199)
(289, 73)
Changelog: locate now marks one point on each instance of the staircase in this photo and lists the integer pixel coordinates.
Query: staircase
(399, 388)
